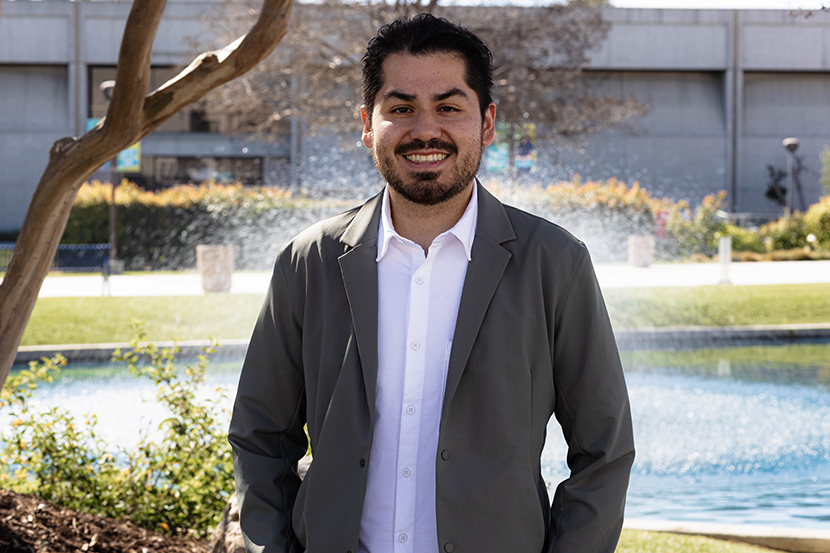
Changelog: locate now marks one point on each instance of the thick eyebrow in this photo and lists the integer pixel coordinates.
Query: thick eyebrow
(436, 98)
(399, 95)
(449, 94)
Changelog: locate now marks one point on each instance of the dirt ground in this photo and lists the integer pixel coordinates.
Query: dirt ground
(29, 524)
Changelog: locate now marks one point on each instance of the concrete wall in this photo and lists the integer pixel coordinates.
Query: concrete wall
(725, 87)
(768, 76)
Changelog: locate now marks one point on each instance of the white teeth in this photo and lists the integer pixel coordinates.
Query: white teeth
(427, 159)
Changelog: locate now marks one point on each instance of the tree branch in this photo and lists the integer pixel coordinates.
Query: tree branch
(130, 118)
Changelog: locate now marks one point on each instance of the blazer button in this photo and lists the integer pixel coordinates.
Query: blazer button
(446, 455)
(448, 547)
(362, 463)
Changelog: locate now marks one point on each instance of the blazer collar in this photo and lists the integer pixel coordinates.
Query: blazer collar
(492, 217)
(364, 226)
(484, 273)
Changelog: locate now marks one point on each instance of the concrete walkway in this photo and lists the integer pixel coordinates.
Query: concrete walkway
(610, 275)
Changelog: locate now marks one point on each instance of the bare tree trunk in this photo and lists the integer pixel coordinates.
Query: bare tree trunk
(130, 117)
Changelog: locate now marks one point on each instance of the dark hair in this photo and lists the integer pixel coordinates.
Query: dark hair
(426, 34)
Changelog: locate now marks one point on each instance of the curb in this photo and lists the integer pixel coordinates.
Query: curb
(718, 336)
(793, 540)
(102, 353)
(627, 340)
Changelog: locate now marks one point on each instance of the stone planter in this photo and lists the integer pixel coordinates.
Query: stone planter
(640, 250)
(215, 266)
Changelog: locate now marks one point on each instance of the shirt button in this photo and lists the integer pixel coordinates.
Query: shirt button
(419, 279)
(415, 345)
(410, 410)
(402, 538)
(406, 472)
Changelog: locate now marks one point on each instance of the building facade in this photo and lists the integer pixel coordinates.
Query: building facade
(724, 88)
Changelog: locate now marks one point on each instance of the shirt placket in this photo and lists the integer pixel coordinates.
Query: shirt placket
(415, 364)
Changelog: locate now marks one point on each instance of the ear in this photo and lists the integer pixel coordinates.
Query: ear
(368, 136)
(488, 126)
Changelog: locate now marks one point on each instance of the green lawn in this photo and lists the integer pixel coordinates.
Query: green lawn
(636, 541)
(100, 319)
(107, 319)
(719, 305)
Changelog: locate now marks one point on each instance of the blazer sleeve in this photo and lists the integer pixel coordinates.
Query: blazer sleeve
(267, 427)
(593, 409)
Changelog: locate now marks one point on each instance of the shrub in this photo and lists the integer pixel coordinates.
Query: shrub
(817, 221)
(179, 485)
(160, 230)
(602, 214)
(787, 233)
(695, 232)
(743, 239)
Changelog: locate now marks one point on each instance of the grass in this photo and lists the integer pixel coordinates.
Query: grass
(719, 305)
(107, 319)
(638, 541)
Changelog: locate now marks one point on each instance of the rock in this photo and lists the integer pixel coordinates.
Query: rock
(227, 538)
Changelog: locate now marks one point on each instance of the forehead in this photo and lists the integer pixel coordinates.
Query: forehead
(423, 75)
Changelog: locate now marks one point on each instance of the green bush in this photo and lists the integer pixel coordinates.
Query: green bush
(179, 485)
(817, 220)
(694, 232)
(786, 233)
(743, 239)
(160, 230)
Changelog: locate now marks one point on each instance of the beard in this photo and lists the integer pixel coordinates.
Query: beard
(424, 187)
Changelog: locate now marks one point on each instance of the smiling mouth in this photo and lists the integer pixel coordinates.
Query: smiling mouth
(431, 158)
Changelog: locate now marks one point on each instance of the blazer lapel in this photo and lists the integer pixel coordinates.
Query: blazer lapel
(360, 278)
(484, 272)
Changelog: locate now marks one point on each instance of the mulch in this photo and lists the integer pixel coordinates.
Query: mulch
(31, 525)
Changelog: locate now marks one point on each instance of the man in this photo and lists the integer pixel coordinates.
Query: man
(426, 338)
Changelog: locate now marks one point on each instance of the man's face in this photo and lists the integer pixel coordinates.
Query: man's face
(426, 131)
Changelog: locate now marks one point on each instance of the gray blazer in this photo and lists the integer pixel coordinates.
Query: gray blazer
(532, 340)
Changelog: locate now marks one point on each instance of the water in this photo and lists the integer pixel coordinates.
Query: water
(716, 440)
(722, 450)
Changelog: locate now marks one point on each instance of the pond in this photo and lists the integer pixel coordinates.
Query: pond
(729, 435)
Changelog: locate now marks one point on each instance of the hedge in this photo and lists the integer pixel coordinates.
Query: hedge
(160, 230)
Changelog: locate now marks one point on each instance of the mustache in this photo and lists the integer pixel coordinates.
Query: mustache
(434, 144)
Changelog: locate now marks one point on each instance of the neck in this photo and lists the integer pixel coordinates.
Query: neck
(422, 223)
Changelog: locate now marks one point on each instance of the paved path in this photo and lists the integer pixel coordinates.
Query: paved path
(610, 275)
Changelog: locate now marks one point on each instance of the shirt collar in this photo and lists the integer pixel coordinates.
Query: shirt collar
(464, 229)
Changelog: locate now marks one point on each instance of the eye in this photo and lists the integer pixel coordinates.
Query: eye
(401, 109)
(448, 109)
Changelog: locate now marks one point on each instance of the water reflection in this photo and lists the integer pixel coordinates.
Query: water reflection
(719, 439)
(735, 435)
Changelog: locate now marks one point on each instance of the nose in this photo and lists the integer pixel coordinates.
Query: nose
(425, 126)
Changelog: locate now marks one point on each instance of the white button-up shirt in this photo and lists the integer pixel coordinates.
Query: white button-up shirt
(418, 297)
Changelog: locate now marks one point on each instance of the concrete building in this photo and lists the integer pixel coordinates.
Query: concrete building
(724, 87)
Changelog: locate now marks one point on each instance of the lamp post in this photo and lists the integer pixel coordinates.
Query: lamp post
(791, 145)
(106, 88)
